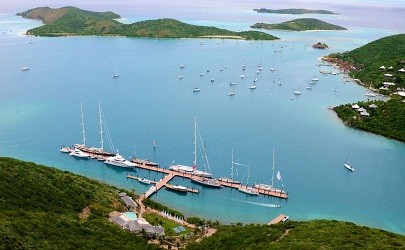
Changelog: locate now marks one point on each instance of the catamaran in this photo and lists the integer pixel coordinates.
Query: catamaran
(95, 151)
(246, 189)
(231, 180)
(271, 187)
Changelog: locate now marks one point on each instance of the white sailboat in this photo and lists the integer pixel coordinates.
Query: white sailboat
(92, 150)
(347, 165)
(231, 180)
(191, 169)
(115, 75)
(246, 189)
(297, 92)
(271, 187)
(204, 181)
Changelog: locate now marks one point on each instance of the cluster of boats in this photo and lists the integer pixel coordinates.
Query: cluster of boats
(84, 152)
(203, 177)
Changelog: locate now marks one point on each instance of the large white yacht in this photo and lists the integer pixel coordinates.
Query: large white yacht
(119, 161)
(78, 153)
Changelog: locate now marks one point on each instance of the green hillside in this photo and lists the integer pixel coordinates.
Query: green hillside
(40, 208)
(71, 21)
(316, 234)
(388, 119)
(364, 63)
(300, 24)
(294, 11)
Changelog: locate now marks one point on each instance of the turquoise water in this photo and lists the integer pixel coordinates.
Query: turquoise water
(130, 215)
(40, 111)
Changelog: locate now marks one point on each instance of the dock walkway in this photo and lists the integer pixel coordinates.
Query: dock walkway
(171, 174)
(277, 219)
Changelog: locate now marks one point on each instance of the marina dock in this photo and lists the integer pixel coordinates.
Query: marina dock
(171, 174)
(276, 220)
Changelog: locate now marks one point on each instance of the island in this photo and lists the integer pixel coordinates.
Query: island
(320, 45)
(72, 21)
(294, 11)
(46, 208)
(378, 65)
(300, 24)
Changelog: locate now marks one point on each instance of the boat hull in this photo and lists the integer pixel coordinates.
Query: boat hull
(118, 164)
(249, 191)
(208, 182)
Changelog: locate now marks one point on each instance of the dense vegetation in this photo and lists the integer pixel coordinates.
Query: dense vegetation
(317, 234)
(41, 208)
(294, 11)
(364, 63)
(388, 119)
(300, 24)
(73, 21)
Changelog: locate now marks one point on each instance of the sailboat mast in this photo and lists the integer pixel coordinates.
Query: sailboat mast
(232, 166)
(82, 124)
(195, 142)
(272, 176)
(101, 126)
(247, 180)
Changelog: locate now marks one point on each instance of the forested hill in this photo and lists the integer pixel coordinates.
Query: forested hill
(380, 61)
(71, 21)
(300, 24)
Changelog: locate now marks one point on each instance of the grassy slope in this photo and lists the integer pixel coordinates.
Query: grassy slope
(294, 11)
(300, 24)
(40, 206)
(388, 119)
(317, 234)
(74, 21)
(387, 51)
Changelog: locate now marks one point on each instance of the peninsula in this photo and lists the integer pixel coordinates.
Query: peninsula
(300, 24)
(48, 208)
(380, 66)
(72, 21)
(294, 11)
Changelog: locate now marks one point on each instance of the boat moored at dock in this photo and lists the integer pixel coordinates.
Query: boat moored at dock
(119, 161)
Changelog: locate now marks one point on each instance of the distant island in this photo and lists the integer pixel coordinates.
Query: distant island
(47, 208)
(300, 24)
(379, 65)
(294, 11)
(320, 45)
(72, 21)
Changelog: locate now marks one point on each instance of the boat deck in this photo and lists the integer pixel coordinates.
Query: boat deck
(171, 174)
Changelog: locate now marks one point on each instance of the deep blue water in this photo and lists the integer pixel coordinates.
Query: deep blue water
(40, 111)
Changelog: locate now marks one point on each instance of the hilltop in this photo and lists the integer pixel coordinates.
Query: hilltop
(46, 208)
(376, 63)
(295, 11)
(300, 24)
(72, 21)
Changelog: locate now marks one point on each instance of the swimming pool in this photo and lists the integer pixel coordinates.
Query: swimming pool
(130, 215)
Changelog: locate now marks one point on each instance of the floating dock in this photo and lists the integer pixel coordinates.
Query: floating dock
(278, 219)
(171, 174)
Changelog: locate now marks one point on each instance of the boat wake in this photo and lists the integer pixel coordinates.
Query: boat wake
(262, 204)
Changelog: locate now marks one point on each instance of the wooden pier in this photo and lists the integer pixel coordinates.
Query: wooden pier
(171, 174)
(276, 220)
